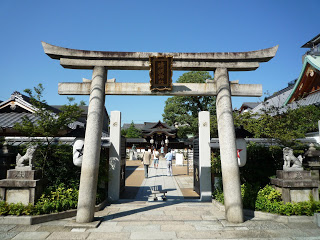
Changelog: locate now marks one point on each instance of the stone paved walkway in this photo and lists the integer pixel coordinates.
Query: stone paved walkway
(173, 219)
(158, 177)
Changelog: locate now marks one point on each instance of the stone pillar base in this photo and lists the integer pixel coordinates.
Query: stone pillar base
(21, 186)
(296, 186)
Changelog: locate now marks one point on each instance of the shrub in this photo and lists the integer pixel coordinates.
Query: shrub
(249, 195)
(4, 208)
(57, 199)
(218, 195)
(262, 162)
(59, 156)
(269, 200)
(53, 200)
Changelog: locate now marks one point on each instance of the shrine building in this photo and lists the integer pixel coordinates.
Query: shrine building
(155, 134)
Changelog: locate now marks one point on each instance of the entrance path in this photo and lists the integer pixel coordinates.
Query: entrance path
(176, 218)
(158, 177)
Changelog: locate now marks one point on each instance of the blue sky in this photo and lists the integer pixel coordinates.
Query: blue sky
(150, 26)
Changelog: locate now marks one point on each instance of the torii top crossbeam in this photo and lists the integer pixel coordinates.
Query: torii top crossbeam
(233, 61)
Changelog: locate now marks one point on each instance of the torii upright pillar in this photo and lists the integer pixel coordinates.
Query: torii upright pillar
(92, 146)
(228, 150)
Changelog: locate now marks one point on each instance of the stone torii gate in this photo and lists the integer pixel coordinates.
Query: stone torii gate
(101, 61)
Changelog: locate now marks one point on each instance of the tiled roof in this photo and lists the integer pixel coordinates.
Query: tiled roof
(312, 99)
(146, 125)
(137, 125)
(276, 100)
(7, 120)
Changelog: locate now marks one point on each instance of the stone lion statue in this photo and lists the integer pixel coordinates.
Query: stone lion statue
(289, 158)
(28, 157)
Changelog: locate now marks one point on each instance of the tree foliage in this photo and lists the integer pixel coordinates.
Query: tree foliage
(48, 124)
(284, 126)
(183, 110)
(131, 132)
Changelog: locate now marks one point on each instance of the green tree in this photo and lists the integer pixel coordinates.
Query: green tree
(48, 123)
(131, 132)
(284, 125)
(183, 110)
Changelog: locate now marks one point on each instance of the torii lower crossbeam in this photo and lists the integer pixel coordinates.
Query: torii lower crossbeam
(178, 89)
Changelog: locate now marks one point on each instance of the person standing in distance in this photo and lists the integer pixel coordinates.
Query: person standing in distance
(156, 158)
(146, 161)
(162, 151)
(168, 157)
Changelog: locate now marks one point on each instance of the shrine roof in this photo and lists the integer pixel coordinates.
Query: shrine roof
(312, 42)
(308, 77)
(155, 125)
(147, 126)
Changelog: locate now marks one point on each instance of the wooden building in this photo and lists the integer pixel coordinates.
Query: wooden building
(155, 134)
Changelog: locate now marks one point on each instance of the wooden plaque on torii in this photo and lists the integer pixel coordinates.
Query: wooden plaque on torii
(160, 73)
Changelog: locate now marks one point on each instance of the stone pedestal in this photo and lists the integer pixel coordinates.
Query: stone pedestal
(296, 186)
(21, 185)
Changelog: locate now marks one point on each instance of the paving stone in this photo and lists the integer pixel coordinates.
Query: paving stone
(108, 224)
(152, 235)
(208, 227)
(106, 229)
(68, 235)
(177, 227)
(186, 217)
(225, 223)
(7, 235)
(287, 232)
(240, 228)
(134, 223)
(147, 228)
(128, 218)
(6, 227)
(152, 212)
(78, 229)
(245, 234)
(260, 225)
(208, 217)
(302, 225)
(27, 228)
(196, 213)
(57, 222)
(31, 235)
(214, 222)
(49, 228)
(149, 222)
(100, 235)
(198, 234)
(306, 238)
(156, 218)
(194, 209)
(311, 232)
